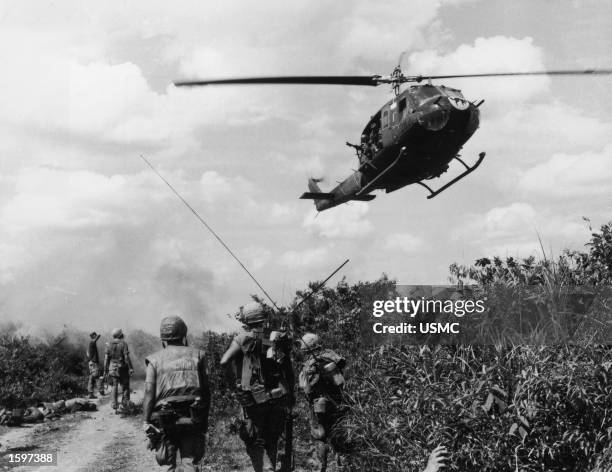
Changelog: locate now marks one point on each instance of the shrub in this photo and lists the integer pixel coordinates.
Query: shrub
(34, 371)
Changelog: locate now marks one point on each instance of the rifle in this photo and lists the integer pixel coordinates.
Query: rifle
(287, 464)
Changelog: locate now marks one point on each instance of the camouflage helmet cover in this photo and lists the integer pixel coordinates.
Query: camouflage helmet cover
(253, 313)
(172, 328)
(117, 333)
(310, 342)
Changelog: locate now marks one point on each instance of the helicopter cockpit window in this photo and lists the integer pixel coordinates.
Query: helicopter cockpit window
(385, 119)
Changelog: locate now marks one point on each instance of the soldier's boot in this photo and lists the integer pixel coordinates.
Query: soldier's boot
(256, 453)
(322, 452)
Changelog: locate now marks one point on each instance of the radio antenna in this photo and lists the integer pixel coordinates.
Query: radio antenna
(212, 231)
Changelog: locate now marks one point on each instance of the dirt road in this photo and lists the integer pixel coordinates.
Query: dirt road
(102, 441)
(98, 441)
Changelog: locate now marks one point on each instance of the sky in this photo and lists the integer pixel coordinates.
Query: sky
(91, 238)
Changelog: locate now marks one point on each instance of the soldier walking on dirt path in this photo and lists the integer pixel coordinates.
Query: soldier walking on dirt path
(264, 384)
(118, 368)
(93, 360)
(176, 399)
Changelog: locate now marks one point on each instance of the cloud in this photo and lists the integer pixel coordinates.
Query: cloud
(344, 221)
(500, 222)
(571, 175)
(305, 258)
(404, 242)
(485, 55)
(61, 199)
(517, 228)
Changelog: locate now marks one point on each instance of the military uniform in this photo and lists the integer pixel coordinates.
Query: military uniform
(118, 365)
(321, 381)
(94, 366)
(181, 404)
(264, 393)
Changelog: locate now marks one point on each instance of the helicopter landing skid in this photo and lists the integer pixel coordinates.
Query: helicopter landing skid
(469, 169)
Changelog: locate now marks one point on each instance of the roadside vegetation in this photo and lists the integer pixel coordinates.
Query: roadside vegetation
(34, 370)
(534, 394)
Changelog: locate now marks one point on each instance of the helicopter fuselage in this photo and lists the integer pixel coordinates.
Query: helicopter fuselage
(413, 137)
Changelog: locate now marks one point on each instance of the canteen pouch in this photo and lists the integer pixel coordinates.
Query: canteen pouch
(319, 405)
(196, 409)
(278, 392)
(334, 374)
(165, 454)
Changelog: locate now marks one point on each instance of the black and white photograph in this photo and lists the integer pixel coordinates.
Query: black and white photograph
(306, 236)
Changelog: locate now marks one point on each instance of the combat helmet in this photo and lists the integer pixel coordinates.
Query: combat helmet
(172, 328)
(253, 313)
(310, 342)
(117, 333)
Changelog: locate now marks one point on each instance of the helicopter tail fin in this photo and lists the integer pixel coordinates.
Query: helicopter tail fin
(320, 198)
(313, 185)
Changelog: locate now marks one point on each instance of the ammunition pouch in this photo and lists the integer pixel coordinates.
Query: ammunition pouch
(113, 369)
(245, 398)
(258, 395)
(172, 415)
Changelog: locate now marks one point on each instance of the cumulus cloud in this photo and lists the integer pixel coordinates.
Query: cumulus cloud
(517, 228)
(404, 242)
(56, 198)
(493, 54)
(501, 222)
(344, 221)
(571, 175)
(305, 258)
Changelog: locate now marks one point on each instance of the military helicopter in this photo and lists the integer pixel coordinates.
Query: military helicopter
(412, 138)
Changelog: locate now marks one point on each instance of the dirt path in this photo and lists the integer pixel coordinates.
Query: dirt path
(99, 441)
(102, 441)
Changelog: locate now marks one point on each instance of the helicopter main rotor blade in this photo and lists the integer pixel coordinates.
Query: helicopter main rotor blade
(371, 80)
(420, 78)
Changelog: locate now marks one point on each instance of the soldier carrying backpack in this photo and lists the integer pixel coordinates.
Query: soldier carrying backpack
(264, 386)
(118, 368)
(322, 382)
(177, 399)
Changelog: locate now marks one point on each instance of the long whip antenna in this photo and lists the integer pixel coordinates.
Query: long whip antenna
(212, 231)
(315, 290)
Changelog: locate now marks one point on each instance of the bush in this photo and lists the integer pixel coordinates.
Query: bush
(35, 371)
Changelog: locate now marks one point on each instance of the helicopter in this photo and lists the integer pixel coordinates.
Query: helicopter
(412, 138)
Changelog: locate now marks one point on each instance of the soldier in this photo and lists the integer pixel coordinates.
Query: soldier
(118, 368)
(177, 399)
(322, 382)
(94, 366)
(265, 386)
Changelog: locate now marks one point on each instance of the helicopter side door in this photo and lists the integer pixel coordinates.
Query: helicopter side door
(386, 128)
